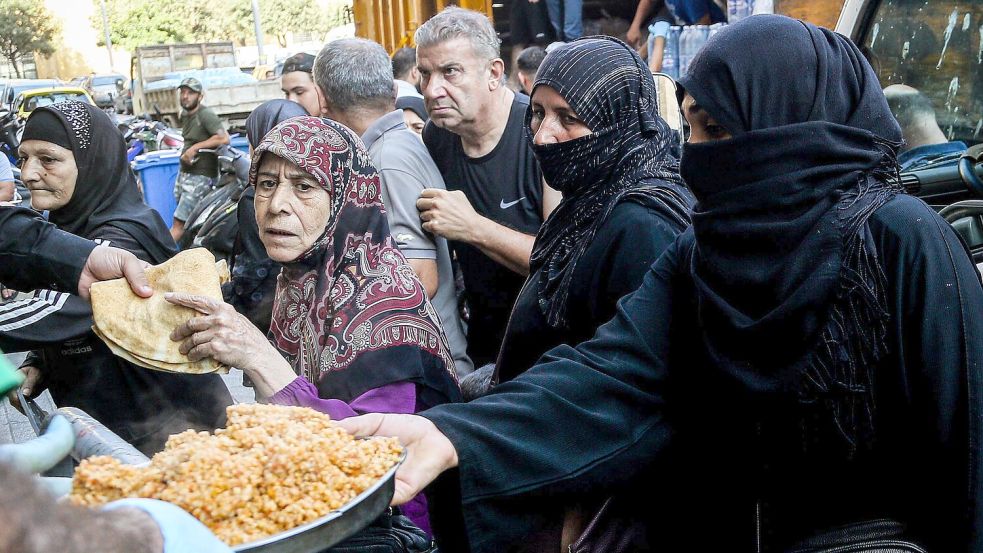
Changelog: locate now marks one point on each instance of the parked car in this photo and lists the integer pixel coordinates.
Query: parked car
(934, 47)
(13, 88)
(104, 88)
(33, 99)
(123, 102)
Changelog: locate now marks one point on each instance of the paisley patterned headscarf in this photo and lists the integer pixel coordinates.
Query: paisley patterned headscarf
(350, 314)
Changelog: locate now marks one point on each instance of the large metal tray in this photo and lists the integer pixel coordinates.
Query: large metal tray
(334, 527)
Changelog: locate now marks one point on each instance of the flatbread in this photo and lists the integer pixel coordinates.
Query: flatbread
(139, 329)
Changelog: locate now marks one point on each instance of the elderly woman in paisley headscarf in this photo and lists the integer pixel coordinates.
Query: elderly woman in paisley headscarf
(74, 161)
(253, 272)
(353, 331)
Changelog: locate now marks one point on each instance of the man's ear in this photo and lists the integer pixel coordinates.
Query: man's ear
(322, 101)
(524, 82)
(415, 76)
(495, 72)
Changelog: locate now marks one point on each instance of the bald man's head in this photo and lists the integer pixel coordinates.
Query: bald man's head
(915, 114)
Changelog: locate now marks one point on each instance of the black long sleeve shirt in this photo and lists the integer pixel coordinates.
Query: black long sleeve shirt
(35, 254)
(641, 408)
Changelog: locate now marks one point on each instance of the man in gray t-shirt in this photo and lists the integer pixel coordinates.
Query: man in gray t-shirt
(404, 166)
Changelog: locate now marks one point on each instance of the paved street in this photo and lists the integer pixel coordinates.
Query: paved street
(14, 427)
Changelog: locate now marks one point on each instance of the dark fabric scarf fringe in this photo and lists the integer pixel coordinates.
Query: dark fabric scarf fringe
(839, 375)
(564, 249)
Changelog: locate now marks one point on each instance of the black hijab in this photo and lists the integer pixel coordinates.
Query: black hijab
(627, 157)
(791, 293)
(106, 192)
(268, 115)
(254, 274)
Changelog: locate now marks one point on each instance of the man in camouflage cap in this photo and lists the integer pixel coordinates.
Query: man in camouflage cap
(202, 129)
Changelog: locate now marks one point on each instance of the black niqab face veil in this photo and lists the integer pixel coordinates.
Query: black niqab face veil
(106, 191)
(627, 157)
(790, 290)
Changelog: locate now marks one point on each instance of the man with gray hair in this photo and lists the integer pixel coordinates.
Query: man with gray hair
(495, 200)
(355, 78)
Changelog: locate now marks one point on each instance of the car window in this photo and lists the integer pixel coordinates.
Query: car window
(103, 81)
(35, 102)
(935, 47)
(37, 84)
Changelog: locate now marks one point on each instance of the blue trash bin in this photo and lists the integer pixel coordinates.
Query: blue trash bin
(240, 143)
(158, 173)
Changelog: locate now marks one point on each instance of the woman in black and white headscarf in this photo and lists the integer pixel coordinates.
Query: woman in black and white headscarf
(74, 161)
(598, 139)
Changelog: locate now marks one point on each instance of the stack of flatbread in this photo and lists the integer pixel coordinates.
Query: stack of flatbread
(139, 329)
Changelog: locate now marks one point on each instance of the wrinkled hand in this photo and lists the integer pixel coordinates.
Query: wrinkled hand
(428, 451)
(634, 37)
(222, 333)
(448, 214)
(107, 263)
(32, 386)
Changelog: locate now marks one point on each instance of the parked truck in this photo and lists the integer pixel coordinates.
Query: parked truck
(156, 72)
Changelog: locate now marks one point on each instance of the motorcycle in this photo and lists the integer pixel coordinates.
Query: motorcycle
(144, 135)
(213, 224)
(11, 129)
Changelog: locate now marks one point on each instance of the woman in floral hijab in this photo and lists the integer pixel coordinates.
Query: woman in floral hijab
(353, 330)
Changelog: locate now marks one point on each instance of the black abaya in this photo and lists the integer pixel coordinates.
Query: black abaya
(641, 403)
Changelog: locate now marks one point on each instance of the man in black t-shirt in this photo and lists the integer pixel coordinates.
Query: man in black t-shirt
(495, 199)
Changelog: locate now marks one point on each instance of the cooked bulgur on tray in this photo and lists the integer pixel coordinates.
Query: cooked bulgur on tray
(271, 469)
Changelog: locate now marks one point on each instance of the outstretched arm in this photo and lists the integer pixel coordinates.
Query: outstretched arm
(591, 413)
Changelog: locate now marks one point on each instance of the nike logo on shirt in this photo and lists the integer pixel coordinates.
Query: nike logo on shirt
(504, 205)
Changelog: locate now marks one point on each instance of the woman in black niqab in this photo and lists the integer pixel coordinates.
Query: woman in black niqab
(808, 356)
(623, 199)
(141, 406)
(782, 254)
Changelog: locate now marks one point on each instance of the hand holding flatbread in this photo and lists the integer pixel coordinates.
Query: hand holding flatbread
(227, 336)
(139, 329)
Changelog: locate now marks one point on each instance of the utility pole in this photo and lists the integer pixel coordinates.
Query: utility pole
(109, 40)
(259, 33)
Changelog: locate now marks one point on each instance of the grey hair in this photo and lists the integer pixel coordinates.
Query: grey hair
(354, 73)
(454, 22)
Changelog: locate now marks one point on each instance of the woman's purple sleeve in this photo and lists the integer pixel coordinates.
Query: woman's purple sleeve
(399, 397)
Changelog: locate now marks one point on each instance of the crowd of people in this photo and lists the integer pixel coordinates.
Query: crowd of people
(753, 341)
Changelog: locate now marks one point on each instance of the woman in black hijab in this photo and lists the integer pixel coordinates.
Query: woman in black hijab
(599, 141)
(253, 272)
(597, 136)
(808, 357)
(74, 161)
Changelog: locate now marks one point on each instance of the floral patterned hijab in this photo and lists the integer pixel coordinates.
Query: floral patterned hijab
(350, 314)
